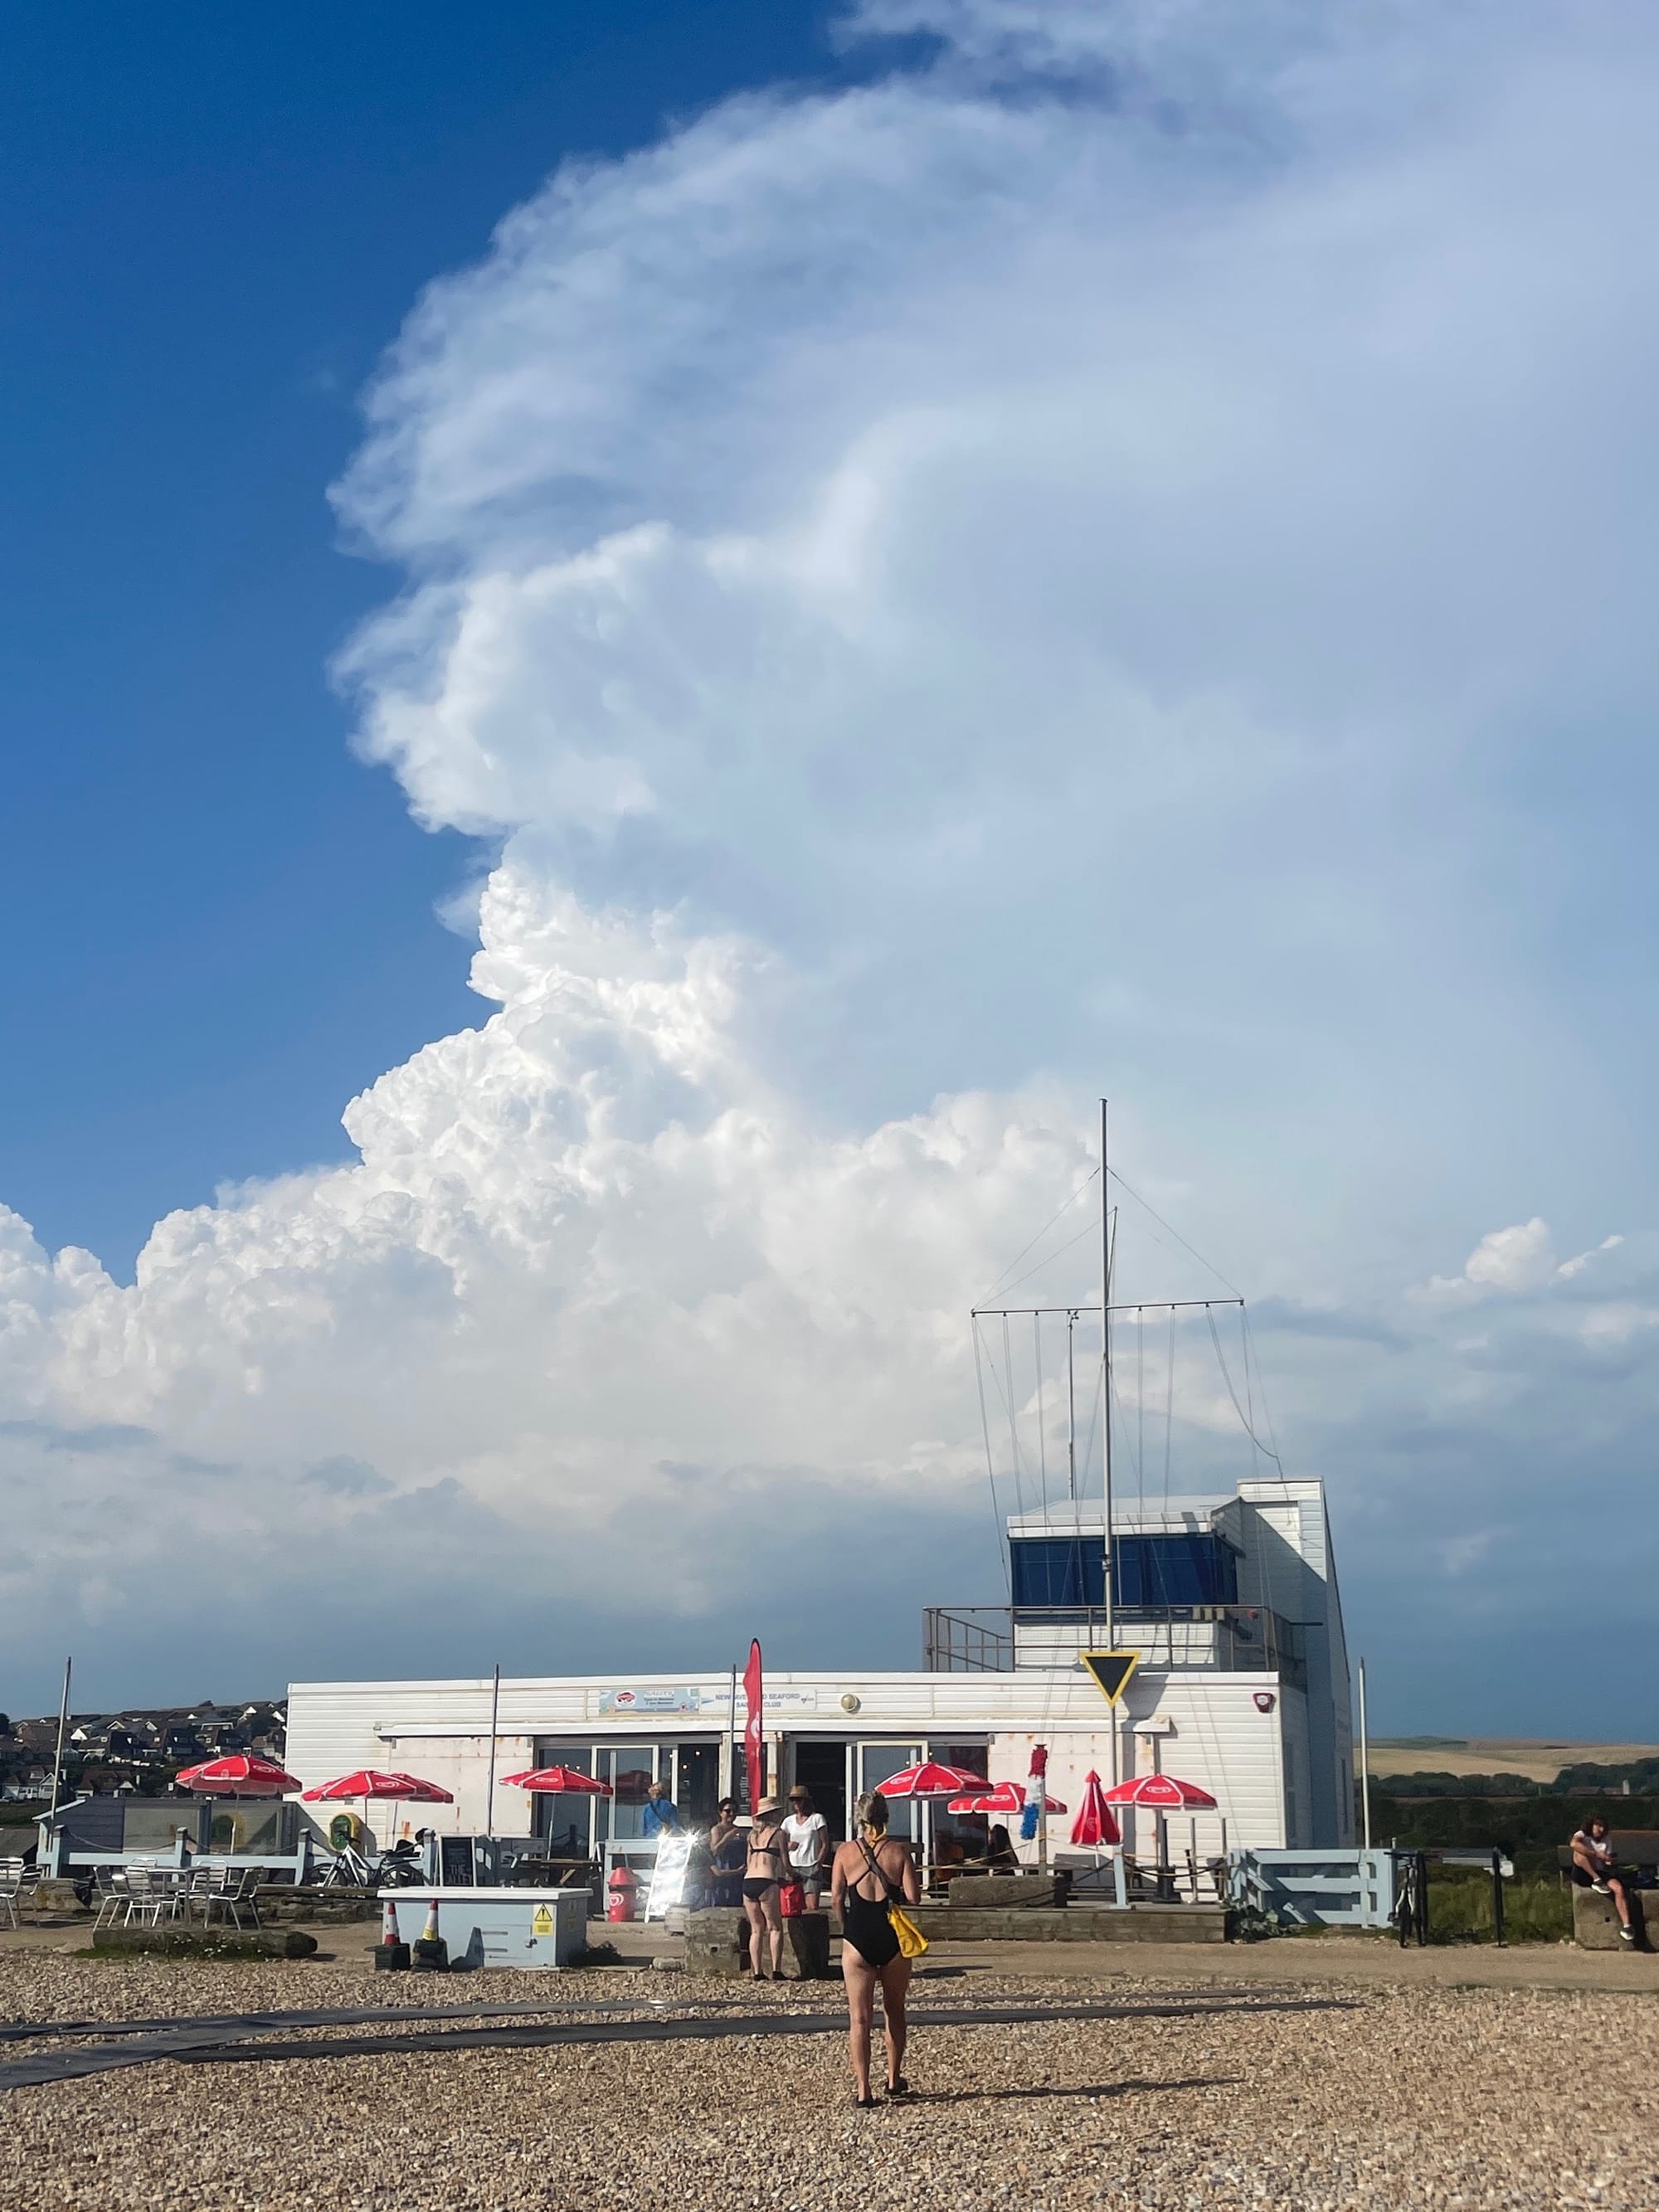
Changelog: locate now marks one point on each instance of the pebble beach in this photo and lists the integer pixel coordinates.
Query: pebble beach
(1311, 2096)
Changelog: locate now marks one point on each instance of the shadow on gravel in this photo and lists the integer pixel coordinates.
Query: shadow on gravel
(205, 2042)
(1093, 2089)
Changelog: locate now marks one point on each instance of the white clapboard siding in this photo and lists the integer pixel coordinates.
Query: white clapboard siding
(440, 1730)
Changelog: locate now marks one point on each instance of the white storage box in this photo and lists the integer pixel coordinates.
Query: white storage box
(497, 1926)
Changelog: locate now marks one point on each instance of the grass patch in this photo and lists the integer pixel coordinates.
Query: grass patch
(1535, 1912)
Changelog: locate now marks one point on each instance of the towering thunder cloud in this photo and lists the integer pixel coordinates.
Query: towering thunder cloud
(1114, 555)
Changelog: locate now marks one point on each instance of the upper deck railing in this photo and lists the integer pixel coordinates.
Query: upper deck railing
(1246, 1638)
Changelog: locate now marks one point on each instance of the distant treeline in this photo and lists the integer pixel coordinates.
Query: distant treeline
(1642, 1774)
(1527, 1828)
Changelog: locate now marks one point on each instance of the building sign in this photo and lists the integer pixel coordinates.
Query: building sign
(679, 1697)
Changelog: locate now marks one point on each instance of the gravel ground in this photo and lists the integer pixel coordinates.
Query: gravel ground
(1393, 2098)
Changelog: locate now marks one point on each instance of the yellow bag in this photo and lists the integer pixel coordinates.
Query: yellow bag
(911, 1941)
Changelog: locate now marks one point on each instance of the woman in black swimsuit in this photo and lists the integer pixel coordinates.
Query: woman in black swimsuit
(869, 1873)
(764, 1872)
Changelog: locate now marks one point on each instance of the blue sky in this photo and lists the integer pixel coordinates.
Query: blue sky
(211, 225)
(885, 569)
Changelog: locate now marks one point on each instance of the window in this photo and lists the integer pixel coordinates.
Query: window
(876, 1762)
(564, 1825)
(1191, 1570)
(1059, 1570)
(1197, 1569)
(630, 1769)
(957, 1836)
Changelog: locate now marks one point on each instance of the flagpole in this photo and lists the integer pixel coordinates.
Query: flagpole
(495, 1715)
(732, 1738)
(63, 1729)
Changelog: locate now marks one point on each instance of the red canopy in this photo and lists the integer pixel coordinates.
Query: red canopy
(1008, 1798)
(1165, 1793)
(930, 1779)
(559, 1782)
(1094, 1826)
(239, 1774)
(366, 1782)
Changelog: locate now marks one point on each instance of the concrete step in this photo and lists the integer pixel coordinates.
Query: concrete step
(1075, 1924)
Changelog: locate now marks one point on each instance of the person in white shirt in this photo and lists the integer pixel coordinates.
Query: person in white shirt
(809, 1844)
(1595, 1867)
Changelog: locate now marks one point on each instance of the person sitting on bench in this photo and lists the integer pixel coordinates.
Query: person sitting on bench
(1593, 1868)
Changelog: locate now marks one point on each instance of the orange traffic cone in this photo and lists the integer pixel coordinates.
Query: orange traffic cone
(391, 1952)
(431, 1954)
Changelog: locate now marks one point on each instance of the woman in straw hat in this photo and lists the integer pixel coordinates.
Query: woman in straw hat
(765, 1871)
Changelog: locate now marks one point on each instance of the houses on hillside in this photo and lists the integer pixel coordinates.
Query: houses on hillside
(138, 1747)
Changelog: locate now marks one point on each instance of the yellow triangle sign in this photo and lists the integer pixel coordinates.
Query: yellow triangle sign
(1111, 1670)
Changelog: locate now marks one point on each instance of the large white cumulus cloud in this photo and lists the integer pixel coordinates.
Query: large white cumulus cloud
(1076, 562)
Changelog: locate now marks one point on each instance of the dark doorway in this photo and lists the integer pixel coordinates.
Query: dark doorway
(698, 1785)
(822, 1768)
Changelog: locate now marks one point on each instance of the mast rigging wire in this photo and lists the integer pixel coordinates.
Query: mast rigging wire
(1038, 1238)
(1042, 1438)
(1221, 1358)
(1003, 1551)
(1176, 1233)
(1088, 1228)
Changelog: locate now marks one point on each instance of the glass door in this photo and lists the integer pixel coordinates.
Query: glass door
(563, 1826)
(876, 1761)
(630, 1769)
(696, 1783)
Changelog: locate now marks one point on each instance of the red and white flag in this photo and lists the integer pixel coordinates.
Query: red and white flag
(754, 1745)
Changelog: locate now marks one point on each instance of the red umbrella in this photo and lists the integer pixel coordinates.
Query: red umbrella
(1165, 1793)
(1094, 1826)
(239, 1774)
(368, 1782)
(931, 1779)
(1008, 1797)
(559, 1782)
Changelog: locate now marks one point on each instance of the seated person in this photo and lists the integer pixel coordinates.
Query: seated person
(1594, 1867)
(1000, 1853)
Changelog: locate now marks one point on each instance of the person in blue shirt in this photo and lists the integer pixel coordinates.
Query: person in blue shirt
(661, 1815)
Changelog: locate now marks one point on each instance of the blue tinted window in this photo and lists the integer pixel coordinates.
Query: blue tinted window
(1152, 1571)
(1176, 1570)
(1059, 1570)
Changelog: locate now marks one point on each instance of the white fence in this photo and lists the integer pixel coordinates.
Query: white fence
(1317, 1888)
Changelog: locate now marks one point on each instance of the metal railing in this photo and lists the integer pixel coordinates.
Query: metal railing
(999, 1639)
(968, 1639)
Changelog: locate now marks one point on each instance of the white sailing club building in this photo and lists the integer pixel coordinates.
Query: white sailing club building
(1241, 1687)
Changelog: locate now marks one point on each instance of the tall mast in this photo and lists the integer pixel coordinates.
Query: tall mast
(1070, 1413)
(1106, 1369)
(1106, 1420)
